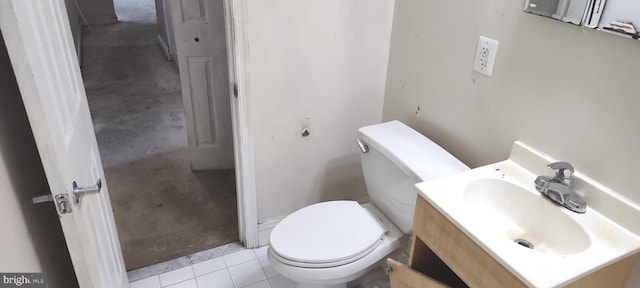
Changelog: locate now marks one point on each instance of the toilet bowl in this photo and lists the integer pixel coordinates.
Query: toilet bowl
(322, 266)
(328, 244)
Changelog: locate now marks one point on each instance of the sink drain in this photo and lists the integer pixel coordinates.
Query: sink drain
(524, 243)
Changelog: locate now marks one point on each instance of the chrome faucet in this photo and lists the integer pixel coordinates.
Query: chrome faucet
(558, 188)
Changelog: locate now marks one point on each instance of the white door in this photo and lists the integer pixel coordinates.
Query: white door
(38, 38)
(202, 57)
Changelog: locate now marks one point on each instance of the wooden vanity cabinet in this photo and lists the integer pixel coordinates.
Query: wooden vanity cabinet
(443, 256)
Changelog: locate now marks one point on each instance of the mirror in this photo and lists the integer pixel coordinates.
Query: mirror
(570, 11)
(615, 16)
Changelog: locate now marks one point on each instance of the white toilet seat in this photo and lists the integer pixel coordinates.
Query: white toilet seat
(326, 234)
(327, 264)
(390, 241)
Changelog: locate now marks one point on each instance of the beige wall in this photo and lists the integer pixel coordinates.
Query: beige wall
(322, 63)
(568, 91)
(32, 240)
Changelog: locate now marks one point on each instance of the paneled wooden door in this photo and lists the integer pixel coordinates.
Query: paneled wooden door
(38, 37)
(199, 28)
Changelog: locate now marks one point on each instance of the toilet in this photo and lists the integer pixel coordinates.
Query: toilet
(328, 244)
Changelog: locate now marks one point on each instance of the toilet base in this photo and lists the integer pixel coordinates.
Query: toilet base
(309, 285)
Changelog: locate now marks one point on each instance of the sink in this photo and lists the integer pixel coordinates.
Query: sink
(541, 243)
(521, 215)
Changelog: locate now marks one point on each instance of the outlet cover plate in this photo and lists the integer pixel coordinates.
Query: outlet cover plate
(485, 55)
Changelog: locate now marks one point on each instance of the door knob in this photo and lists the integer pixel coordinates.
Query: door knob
(79, 192)
(43, 195)
(61, 200)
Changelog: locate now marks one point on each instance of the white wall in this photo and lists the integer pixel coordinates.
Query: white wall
(621, 11)
(166, 37)
(160, 16)
(32, 239)
(321, 63)
(98, 12)
(569, 91)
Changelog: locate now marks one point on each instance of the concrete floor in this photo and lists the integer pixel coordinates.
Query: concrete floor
(163, 210)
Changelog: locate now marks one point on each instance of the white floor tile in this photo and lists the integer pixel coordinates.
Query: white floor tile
(191, 283)
(218, 279)
(239, 257)
(176, 276)
(264, 261)
(281, 282)
(151, 282)
(262, 284)
(247, 273)
(209, 266)
(261, 252)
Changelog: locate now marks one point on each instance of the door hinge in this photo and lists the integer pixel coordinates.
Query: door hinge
(235, 90)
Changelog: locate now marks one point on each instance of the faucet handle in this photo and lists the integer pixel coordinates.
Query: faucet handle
(564, 170)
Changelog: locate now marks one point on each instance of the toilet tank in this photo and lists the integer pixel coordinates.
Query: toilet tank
(399, 157)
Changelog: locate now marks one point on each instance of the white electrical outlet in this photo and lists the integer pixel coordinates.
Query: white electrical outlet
(485, 55)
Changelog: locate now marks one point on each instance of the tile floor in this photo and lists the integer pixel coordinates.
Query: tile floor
(245, 268)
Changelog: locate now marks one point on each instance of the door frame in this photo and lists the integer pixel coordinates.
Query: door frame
(237, 55)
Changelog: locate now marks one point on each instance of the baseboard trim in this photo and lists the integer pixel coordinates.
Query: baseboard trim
(165, 48)
(362, 199)
(265, 228)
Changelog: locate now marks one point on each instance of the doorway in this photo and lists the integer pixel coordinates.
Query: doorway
(163, 209)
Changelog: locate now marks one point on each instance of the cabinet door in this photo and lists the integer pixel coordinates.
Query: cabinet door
(401, 276)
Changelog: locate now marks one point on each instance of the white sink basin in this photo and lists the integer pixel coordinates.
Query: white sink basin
(497, 205)
(525, 218)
